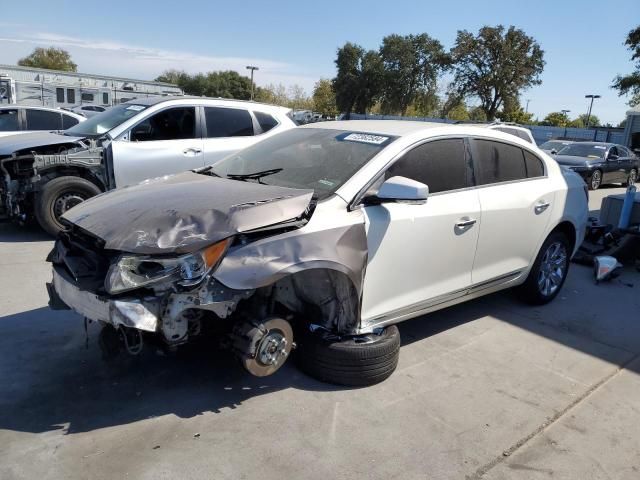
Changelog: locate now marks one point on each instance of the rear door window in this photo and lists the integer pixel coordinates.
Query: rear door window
(497, 162)
(43, 120)
(171, 124)
(228, 122)
(266, 121)
(534, 166)
(9, 120)
(441, 165)
(68, 121)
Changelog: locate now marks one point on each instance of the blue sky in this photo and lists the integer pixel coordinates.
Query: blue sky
(295, 41)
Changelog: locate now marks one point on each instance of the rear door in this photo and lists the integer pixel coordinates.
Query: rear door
(515, 198)
(421, 255)
(226, 130)
(165, 142)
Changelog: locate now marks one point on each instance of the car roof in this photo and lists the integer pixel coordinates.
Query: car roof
(385, 127)
(149, 101)
(601, 144)
(48, 109)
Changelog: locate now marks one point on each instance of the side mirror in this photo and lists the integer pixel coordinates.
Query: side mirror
(399, 189)
(553, 151)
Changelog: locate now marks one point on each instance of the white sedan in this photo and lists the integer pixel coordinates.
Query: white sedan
(335, 231)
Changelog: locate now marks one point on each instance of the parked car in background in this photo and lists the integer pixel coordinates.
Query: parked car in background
(600, 162)
(554, 146)
(335, 231)
(48, 173)
(88, 110)
(16, 119)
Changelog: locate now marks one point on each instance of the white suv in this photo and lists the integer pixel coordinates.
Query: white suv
(334, 231)
(48, 173)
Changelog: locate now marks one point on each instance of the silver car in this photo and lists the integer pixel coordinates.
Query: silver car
(45, 174)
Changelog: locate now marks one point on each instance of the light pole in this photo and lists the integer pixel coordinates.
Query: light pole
(592, 97)
(566, 117)
(252, 68)
(526, 110)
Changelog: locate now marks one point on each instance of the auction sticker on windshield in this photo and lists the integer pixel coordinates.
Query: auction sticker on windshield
(366, 138)
(135, 108)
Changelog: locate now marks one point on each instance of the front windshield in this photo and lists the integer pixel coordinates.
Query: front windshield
(105, 121)
(553, 145)
(584, 150)
(310, 158)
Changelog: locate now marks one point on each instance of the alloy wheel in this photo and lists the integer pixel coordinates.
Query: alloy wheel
(553, 269)
(596, 180)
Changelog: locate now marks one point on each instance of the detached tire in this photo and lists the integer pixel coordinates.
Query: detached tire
(359, 362)
(549, 271)
(59, 195)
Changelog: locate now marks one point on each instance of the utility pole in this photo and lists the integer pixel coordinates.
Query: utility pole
(592, 97)
(252, 68)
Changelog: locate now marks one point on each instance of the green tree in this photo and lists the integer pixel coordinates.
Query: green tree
(225, 84)
(556, 119)
(411, 67)
(359, 79)
(298, 99)
(581, 121)
(324, 98)
(459, 113)
(477, 114)
(630, 84)
(512, 111)
(494, 65)
(51, 58)
(427, 104)
(272, 94)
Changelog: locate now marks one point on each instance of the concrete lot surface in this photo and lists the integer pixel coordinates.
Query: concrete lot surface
(488, 389)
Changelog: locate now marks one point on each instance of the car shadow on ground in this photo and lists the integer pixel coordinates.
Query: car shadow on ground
(14, 233)
(53, 377)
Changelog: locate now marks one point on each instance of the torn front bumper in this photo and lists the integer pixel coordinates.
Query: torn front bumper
(142, 314)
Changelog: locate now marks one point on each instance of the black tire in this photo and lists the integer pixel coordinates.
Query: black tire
(531, 291)
(57, 196)
(595, 180)
(358, 362)
(632, 178)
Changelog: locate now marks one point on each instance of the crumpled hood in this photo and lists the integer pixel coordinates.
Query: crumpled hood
(184, 212)
(573, 161)
(22, 141)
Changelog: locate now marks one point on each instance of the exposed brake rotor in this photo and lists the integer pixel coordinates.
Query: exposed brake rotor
(264, 346)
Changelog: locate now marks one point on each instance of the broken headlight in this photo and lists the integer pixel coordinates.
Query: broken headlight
(135, 271)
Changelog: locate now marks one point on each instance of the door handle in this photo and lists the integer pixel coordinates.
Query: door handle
(464, 223)
(191, 151)
(541, 207)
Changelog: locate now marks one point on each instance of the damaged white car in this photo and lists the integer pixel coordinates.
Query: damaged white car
(326, 236)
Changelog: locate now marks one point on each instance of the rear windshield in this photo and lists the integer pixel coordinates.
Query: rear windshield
(311, 158)
(584, 150)
(105, 121)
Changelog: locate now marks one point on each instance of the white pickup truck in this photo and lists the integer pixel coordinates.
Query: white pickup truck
(44, 174)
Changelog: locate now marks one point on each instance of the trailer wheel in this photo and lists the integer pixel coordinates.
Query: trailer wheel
(59, 195)
(355, 362)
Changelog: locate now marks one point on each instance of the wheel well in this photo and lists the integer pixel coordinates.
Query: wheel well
(73, 172)
(567, 229)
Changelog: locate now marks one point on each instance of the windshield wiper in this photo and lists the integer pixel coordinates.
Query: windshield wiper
(254, 175)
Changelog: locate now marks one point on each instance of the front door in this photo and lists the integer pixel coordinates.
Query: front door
(422, 254)
(166, 142)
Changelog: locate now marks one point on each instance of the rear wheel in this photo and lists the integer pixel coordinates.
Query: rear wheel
(59, 195)
(595, 180)
(632, 178)
(549, 271)
(356, 361)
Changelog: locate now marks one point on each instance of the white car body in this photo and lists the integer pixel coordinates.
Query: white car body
(421, 263)
(47, 121)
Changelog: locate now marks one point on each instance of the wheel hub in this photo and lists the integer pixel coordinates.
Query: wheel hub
(66, 201)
